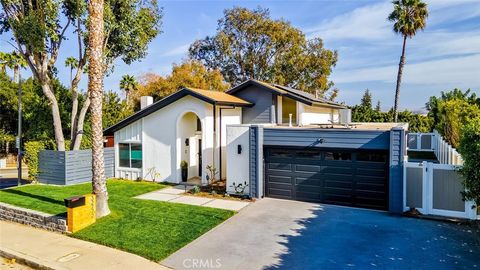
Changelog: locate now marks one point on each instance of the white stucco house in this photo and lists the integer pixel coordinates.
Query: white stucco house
(285, 143)
(191, 125)
(188, 125)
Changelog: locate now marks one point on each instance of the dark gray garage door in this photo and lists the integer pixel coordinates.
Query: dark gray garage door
(353, 178)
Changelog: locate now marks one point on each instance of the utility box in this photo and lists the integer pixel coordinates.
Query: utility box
(81, 211)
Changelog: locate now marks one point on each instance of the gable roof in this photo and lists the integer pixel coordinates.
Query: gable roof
(209, 96)
(292, 93)
(220, 97)
(263, 85)
(310, 97)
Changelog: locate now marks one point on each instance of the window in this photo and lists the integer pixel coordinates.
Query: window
(338, 156)
(280, 153)
(130, 155)
(372, 157)
(308, 154)
(199, 124)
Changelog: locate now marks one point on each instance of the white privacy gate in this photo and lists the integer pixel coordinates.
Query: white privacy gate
(435, 189)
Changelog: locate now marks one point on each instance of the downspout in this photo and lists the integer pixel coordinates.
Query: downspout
(220, 149)
(214, 136)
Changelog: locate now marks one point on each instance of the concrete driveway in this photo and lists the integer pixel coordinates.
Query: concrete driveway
(279, 234)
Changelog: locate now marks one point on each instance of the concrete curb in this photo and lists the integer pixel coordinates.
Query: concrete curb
(28, 260)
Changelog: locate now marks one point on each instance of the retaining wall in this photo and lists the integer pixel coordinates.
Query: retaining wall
(32, 218)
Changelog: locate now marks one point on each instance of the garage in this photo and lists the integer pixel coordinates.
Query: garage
(357, 178)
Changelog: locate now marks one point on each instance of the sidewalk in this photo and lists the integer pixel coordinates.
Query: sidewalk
(46, 250)
(174, 195)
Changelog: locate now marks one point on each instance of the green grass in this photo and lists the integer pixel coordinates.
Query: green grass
(150, 229)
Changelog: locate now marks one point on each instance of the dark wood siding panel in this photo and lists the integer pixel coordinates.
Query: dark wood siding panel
(260, 113)
(377, 140)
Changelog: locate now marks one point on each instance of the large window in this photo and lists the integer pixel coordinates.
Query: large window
(130, 155)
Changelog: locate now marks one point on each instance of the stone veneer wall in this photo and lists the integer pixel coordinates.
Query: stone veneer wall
(32, 218)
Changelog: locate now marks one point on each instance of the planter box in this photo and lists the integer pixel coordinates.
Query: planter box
(71, 167)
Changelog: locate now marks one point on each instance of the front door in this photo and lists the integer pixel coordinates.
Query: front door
(199, 154)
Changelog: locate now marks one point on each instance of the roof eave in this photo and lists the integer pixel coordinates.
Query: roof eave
(164, 102)
(254, 82)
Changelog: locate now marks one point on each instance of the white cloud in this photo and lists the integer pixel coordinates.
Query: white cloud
(363, 23)
(177, 51)
(446, 12)
(457, 72)
(445, 43)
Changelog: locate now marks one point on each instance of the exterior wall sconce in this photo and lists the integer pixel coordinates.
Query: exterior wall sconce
(239, 149)
(187, 142)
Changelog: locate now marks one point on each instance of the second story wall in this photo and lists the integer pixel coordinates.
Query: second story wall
(263, 110)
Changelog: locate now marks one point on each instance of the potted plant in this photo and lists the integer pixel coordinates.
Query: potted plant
(240, 189)
(184, 167)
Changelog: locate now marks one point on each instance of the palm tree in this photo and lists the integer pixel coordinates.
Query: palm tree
(14, 61)
(72, 63)
(408, 16)
(96, 69)
(128, 84)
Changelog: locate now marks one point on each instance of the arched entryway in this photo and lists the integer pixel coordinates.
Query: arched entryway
(189, 146)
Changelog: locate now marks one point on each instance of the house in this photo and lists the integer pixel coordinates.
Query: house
(283, 142)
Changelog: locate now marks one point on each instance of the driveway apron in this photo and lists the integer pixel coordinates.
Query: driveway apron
(280, 234)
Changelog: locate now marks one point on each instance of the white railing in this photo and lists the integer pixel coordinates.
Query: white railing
(445, 153)
(435, 189)
(434, 142)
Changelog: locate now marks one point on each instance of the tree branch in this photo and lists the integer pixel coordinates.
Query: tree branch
(56, 46)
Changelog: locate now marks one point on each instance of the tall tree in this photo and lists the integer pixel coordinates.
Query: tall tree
(39, 30)
(451, 112)
(114, 109)
(378, 108)
(187, 74)
(251, 45)
(14, 61)
(128, 84)
(96, 71)
(408, 16)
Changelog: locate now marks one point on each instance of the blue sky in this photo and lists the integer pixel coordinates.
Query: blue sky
(444, 56)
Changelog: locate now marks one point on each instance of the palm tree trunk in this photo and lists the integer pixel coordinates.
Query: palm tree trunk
(16, 71)
(399, 80)
(95, 89)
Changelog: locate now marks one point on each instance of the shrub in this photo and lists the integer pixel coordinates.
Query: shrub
(32, 148)
(195, 190)
(470, 151)
(183, 164)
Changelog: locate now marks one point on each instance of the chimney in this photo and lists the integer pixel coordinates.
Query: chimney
(145, 101)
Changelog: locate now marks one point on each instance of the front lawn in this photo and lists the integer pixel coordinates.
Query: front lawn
(150, 229)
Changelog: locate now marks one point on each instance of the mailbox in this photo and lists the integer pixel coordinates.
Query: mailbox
(81, 211)
(74, 201)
